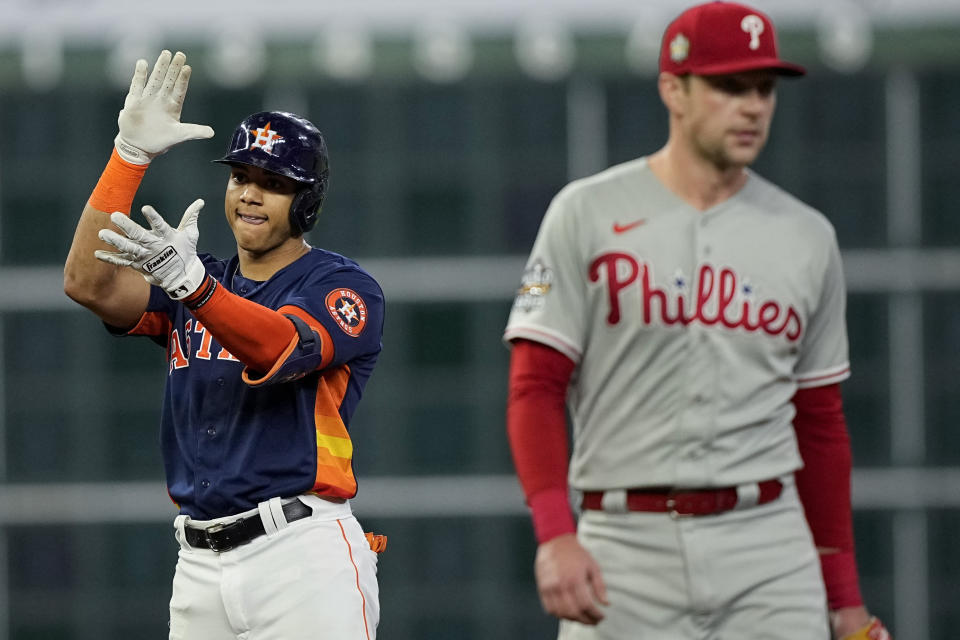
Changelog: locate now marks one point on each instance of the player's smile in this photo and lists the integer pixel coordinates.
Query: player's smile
(251, 219)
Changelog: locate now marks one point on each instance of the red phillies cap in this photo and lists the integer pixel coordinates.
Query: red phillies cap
(722, 37)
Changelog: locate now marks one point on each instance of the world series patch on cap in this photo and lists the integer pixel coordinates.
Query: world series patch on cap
(717, 38)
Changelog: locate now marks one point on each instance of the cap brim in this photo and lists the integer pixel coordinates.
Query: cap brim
(757, 64)
(264, 163)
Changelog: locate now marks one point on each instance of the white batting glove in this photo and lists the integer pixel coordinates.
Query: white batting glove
(166, 257)
(150, 119)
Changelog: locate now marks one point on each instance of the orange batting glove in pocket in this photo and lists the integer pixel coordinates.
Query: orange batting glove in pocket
(378, 543)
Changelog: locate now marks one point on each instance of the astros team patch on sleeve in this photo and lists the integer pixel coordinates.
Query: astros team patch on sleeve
(348, 310)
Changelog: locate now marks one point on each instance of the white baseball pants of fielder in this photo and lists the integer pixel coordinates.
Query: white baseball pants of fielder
(313, 578)
(750, 573)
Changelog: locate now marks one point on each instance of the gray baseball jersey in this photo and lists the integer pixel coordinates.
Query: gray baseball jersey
(691, 330)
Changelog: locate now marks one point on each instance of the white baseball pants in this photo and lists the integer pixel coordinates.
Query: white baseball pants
(313, 578)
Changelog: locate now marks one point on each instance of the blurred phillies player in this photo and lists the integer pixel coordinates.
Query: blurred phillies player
(691, 315)
(267, 354)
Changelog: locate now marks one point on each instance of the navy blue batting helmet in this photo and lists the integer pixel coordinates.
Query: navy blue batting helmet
(291, 146)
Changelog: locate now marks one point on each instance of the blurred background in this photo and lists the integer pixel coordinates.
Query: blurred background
(451, 125)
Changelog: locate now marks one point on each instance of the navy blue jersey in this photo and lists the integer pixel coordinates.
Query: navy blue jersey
(232, 437)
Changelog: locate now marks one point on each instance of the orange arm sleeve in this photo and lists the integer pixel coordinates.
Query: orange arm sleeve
(256, 335)
(117, 185)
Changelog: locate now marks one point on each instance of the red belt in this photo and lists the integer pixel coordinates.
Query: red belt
(685, 502)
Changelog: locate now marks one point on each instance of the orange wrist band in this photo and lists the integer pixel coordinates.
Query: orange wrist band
(117, 185)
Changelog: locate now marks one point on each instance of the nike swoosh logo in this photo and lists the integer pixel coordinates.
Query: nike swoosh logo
(623, 228)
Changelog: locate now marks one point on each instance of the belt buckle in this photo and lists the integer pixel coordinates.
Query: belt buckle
(672, 509)
(218, 528)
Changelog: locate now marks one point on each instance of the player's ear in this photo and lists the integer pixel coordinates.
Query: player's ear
(674, 91)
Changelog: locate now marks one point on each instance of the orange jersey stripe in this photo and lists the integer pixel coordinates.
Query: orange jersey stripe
(334, 476)
(152, 323)
(155, 323)
(334, 448)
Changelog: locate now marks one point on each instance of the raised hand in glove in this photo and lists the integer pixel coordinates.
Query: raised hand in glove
(166, 257)
(150, 119)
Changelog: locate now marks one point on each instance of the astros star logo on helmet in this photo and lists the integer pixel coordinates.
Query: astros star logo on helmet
(265, 139)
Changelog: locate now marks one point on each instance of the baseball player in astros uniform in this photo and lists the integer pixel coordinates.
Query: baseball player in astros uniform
(691, 316)
(267, 356)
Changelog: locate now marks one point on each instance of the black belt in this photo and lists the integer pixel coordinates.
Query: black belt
(223, 537)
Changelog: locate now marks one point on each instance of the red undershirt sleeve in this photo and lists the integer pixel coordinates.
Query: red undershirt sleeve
(824, 488)
(254, 334)
(537, 432)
